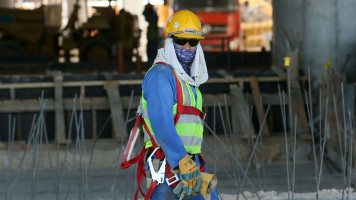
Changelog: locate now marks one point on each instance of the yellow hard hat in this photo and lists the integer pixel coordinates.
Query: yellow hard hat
(184, 24)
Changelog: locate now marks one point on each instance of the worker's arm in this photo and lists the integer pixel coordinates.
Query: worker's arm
(159, 88)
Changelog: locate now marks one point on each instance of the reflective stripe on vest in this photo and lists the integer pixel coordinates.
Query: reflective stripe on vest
(188, 127)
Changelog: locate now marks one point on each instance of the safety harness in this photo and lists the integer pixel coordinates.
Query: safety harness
(171, 178)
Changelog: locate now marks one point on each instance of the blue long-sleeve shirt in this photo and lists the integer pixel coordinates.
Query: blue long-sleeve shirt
(160, 91)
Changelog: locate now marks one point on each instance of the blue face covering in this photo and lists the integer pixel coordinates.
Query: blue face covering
(185, 57)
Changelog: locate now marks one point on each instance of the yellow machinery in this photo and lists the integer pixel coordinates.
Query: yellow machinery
(99, 38)
(28, 32)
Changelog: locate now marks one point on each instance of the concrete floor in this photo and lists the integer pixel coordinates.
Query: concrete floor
(101, 175)
(100, 182)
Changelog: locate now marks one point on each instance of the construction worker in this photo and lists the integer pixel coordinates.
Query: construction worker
(152, 32)
(172, 109)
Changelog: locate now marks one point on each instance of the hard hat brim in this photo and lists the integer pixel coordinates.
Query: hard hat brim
(185, 35)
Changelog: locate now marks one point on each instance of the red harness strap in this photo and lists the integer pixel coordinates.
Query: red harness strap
(138, 159)
(179, 92)
(150, 190)
(190, 110)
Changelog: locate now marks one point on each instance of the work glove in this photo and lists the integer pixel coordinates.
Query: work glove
(209, 182)
(190, 179)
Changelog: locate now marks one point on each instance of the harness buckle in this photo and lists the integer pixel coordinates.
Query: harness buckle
(159, 175)
(174, 181)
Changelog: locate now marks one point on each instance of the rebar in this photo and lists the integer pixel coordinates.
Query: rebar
(311, 126)
(323, 147)
(226, 172)
(96, 140)
(44, 128)
(320, 120)
(67, 146)
(72, 171)
(214, 129)
(227, 141)
(254, 147)
(283, 112)
(127, 117)
(113, 186)
(85, 169)
(38, 139)
(294, 153)
(345, 143)
(230, 153)
(340, 145)
(290, 103)
(262, 154)
(350, 155)
(11, 139)
(230, 131)
(18, 172)
(58, 170)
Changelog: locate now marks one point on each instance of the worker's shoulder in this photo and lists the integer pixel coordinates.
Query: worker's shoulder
(160, 70)
(159, 75)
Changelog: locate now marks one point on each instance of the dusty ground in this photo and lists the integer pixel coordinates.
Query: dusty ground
(102, 175)
(100, 182)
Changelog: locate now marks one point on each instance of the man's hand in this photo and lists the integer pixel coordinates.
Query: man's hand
(190, 178)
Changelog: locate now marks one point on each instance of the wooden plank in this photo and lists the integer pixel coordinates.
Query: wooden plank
(18, 126)
(26, 85)
(279, 71)
(32, 105)
(59, 113)
(12, 93)
(137, 82)
(102, 103)
(260, 110)
(241, 123)
(117, 112)
(94, 124)
(297, 97)
(82, 91)
(247, 79)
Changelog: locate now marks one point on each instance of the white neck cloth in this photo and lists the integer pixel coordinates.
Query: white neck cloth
(198, 69)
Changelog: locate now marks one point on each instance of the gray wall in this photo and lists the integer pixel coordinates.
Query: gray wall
(320, 30)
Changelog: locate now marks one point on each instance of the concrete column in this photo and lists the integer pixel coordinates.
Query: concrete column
(320, 30)
(7, 3)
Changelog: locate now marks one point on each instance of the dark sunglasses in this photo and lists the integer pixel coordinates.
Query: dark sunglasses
(183, 41)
